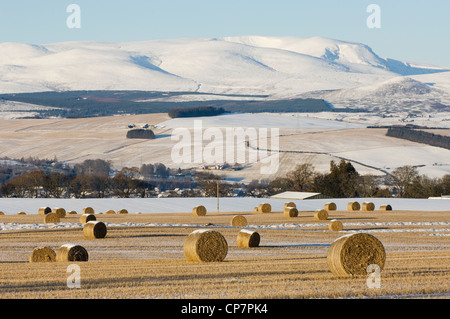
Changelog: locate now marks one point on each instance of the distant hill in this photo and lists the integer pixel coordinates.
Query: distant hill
(246, 73)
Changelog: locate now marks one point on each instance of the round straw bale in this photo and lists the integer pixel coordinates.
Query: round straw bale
(44, 210)
(264, 208)
(255, 209)
(350, 254)
(248, 238)
(72, 212)
(321, 214)
(199, 211)
(239, 220)
(87, 218)
(205, 245)
(290, 212)
(42, 254)
(289, 204)
(368, 206)
(110, 211)
(122, 211)
(71, 252)
(21, 213)
(2, 213)
(352, 206)
(335, 225)
(61, 212)
(94, 229)
(385, 207)
(330, 206)
(51, 218)
(88, 210)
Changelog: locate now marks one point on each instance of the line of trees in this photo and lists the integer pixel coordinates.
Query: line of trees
(95, 178)
(57, 185)
(141, 133)
(195, 111)
(420, 136)
(344, 181)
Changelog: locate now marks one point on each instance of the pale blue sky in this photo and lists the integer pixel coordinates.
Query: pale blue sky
(411, 30)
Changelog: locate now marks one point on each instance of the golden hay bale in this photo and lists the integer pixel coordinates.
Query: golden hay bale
(264, 208)
(51, 218)
(350, 254)
(42, 254)
(239, 221)
(330, 206)
(385, 207)
(2, 213)
(368, 206)
(88, 210)
(248, 238)
(72, 212)
(289, 204)
(255, 209)
(321, 214)
(71, 252)
(61, 212)
(335, 225)
(21, 213)
(353, 206)
(290, 212)
(44, 210)
(110, 211)
(199, 211)
(94, 229)
(87, 218)
(205, 245)
(122, 211)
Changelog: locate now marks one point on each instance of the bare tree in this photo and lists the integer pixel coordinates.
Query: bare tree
(302, 176)
(404, 178)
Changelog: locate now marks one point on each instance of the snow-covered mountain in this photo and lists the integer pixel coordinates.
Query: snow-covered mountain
(399, 94)
(280, 67)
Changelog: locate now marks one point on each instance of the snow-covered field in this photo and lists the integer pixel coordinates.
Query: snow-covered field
(434, 159)
(238, 205)
(330, 135)
(261, 120)
(336, 135)
(12, 206)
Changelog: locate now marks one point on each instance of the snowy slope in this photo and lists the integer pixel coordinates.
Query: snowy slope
(277, 66)
(354, 56)
(399, 94)
(259, 120)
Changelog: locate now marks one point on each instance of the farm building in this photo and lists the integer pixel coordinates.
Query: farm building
(298, 195)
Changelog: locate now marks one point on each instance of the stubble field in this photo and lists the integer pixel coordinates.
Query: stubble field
(142, 257)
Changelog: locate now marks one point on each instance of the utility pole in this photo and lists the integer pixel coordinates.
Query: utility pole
(217, 195)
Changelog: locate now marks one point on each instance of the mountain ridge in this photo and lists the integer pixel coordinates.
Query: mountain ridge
(280, 67)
